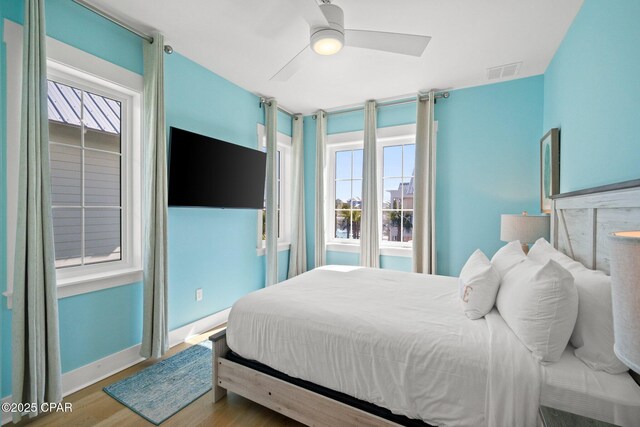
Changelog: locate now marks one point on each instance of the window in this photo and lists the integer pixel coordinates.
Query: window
(347, 212)
(283, 162)
(94, 110)
(396, 164)
(85, 143)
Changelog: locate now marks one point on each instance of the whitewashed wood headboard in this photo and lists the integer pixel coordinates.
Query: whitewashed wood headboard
(582, 220)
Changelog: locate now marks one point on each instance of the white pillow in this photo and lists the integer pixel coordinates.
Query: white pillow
(478, 285)
(542, 251)
(593, 334)
(540, 305)
(508, 256)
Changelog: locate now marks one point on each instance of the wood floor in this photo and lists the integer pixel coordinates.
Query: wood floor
(93, 407)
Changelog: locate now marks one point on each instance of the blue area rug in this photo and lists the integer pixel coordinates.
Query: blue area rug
(159, 391)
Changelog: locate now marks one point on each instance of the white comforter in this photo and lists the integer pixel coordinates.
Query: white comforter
(398, 340)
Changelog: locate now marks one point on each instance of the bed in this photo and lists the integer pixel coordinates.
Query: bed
(333, 351)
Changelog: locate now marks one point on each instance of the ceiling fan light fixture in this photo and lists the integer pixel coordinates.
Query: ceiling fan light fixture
(327, 41)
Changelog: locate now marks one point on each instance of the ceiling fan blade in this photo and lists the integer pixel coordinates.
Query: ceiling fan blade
(405, 44)
(312, 13)
(293, 66)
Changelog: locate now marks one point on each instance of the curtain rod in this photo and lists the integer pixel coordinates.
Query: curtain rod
(113, 19)
(168, 49)
(284, 110)
(444, 95)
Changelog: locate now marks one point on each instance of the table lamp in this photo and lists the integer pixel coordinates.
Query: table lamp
(625, 293)
(526, 228)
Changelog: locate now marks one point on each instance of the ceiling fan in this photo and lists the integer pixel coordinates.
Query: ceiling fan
(328, 36)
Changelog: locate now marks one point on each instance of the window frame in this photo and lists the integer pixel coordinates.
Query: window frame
(284, 147)
(129, 251)
(74, 67)
(386, 136)
(389, 142)
(335, 145)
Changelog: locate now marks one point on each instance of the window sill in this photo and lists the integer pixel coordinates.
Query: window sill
(399, 251)
(90, 283)
(343, 247)
(282, 246)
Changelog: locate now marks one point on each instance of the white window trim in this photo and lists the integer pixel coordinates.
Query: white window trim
(66, 63)
(384, 250)
(335, 143)
(392, 135)
(382, 143)
(284, 146)
(282, 246)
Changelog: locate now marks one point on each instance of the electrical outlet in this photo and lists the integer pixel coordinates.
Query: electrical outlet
(199, 294)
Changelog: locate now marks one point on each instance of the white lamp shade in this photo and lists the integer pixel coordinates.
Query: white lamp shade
(625, 292)
(526, 228)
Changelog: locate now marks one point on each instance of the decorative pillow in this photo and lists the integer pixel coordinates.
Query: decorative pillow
(478, 283)
(507, 257)
(593, 334)
(540, 305)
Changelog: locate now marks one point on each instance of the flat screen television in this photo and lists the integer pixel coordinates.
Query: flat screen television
(207, 172)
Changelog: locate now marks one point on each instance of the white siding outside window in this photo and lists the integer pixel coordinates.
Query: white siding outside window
(85, 148)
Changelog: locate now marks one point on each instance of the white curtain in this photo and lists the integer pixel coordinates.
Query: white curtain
(35, 339)
(370, 227)
(155, 330)
(424, 199)
(298, 252)
(271, 242)
(321, 142)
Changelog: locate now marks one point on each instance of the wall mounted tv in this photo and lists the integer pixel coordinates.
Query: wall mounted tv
(207, 172)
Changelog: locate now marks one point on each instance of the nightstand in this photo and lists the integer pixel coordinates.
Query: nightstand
(552, 417)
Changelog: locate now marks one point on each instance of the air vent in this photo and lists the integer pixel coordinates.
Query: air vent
(503, 71)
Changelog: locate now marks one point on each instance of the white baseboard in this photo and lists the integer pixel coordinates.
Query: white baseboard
(185, 332)
(84, 376)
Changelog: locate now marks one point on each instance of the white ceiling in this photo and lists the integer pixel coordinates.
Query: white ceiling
(247, 41)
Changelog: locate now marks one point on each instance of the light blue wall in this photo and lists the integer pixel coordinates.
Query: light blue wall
(209, 248)
(387, 262)
(592, 93)
(212, 249)
(343, 258)
(97, 324)
(487, 164)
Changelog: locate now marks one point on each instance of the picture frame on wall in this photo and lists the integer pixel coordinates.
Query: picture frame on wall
(549, 168)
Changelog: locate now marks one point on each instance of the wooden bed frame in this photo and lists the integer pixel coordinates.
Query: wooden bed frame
(580, 224)
(295, 402)
(581, 221)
